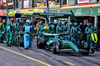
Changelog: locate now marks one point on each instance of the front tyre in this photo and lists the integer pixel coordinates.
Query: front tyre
(38, 43)
(55, 48)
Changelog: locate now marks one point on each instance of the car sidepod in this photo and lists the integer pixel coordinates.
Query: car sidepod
(69, 45)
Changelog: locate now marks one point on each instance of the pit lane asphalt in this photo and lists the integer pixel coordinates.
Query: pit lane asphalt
(18, 56)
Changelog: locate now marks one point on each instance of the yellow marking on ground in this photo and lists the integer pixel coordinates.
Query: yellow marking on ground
(51, 57)
(65, 62)
(26, 56)
(21, 48)
(27, 50)
(30, 50)
(69, 63)
(41, 54)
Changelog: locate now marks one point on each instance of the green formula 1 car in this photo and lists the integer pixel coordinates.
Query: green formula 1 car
(57, 43)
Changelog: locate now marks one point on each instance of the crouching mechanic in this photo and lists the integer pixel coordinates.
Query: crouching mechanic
(27, 29)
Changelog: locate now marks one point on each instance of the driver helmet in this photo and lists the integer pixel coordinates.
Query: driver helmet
(46, 28)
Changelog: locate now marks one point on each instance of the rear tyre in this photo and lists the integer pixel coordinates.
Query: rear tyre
(38, 44)
(21, 41)
(41, 43)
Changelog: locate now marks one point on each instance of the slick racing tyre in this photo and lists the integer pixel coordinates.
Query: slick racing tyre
(40, 43)
(21, 41)
(55, 48)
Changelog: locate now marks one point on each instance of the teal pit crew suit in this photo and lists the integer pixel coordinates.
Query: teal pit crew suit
(69, 31)
(89, 30)
(59, 28)
(51, 28)
(3, 33)
(40, 28)
(27, 29)
(65, 29)
(64, 26)
(31, 37)
(55, 24)
(10, 32)
(17, 28)
(75, 30)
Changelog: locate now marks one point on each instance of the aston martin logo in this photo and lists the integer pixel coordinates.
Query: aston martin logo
(78, 12)
(98, 10)
(58, 11)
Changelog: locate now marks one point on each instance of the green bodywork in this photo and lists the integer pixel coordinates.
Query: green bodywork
(63, 42)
